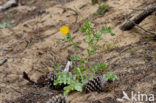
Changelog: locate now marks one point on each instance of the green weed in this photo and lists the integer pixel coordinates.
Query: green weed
(5, 24)
(102, 9)
(110, 76)
(97, 1)
(83, 72)
(133, 52)
(109, 46)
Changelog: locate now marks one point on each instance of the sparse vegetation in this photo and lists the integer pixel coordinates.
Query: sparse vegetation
(110, 76)
(31, 47)
(94, 2)
(104, 0)
(133, 52)
(109, 46)
(5, 25)
(102, 9)
(97, 1)
(83, 72)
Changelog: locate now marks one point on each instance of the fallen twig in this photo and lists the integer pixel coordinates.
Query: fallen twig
(8, 4)
(3, 61)
(70, 9)
(152, 33)
(137, 20)
(16, 90)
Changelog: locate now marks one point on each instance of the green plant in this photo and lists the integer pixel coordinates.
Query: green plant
(104, 0)
(83, 72)
(102, 9)
(97, 1)
(133, 52)
(70, 80)
(57, 67)
(94, 2)
(5, 24)
(109, 46)
(110, 76)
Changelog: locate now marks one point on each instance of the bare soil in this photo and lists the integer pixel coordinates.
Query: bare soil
(33, 45)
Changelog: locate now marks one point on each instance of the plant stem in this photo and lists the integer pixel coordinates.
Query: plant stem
(77, 50)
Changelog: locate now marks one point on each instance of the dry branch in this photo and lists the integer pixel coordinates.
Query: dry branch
(8, 4)
(137, 20)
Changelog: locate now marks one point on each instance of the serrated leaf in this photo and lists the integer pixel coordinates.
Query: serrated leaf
(97, 36)
(98, 67)
(105, 30)
(78, 87)
(110, 76)
(67, 89)
(75, 58)
(112, 34)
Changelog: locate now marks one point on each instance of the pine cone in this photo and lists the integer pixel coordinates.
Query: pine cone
(57, 99)
(51, 77)
(98, 84)
(41, 80)
(48, 80)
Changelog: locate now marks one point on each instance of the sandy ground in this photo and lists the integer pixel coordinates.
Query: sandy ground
(33, 45)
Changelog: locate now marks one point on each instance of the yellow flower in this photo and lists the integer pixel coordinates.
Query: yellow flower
(64, 30)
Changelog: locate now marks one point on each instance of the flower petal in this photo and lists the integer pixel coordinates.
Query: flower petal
(64, 30)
